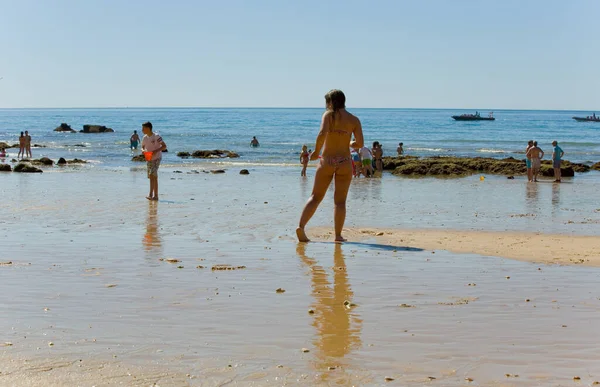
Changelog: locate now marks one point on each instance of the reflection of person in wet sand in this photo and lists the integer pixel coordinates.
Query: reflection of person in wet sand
(152, 239)
(337, 128)
(338, 327)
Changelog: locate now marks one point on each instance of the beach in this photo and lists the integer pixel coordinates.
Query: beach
(102, 287)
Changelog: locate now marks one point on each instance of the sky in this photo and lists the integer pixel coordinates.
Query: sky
(472, 54)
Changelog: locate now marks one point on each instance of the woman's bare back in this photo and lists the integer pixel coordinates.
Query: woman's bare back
(339, 128)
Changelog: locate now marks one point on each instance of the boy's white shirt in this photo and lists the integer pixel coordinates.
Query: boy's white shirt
(153, 143)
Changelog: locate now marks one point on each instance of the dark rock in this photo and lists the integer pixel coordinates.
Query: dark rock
(207, 154)
(5, 168)
(96, 129)
(76, 161)
(217, 171)
(565, 170)
(39, 146)
(166, 151)
(14, 161)
(596, 167)
(138, 158)
(42, 161)
(79, 145)
(26, 168)
(61, 161)
(4, 145)
(244, 172)
(511, 178)
(177, 171)
(64, 128)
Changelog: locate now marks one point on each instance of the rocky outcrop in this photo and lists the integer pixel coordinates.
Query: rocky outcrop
(26, 168)
(217, 171)
(5, 168)
(208, 154)
(244, 172)
(96, 129)
(64, 128)
(42, 161)
(596, 167)
(463, 166)
(63, 161)
(138, 158)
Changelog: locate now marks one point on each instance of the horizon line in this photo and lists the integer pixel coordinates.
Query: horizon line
(288, 107)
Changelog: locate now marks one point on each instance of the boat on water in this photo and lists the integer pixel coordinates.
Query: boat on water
(474, 117)
(592, 118)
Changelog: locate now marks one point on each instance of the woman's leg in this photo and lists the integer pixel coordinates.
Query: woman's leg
(343, 178)
(323, 177)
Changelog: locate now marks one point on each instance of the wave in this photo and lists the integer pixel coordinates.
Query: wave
(484, 150)
(429, 149)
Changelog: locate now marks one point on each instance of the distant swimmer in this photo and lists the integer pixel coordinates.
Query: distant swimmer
(254, 142)
(400, 149)
(335, 139)
(134, 140)
(535, 154)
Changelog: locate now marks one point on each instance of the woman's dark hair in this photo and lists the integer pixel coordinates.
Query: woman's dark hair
(335, 99)
(22, 134)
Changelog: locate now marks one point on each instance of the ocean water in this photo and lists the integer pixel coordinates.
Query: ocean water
(282, 132)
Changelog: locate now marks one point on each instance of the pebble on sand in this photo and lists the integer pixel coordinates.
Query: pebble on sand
(389, 379)
(280, 290)
(305, 350)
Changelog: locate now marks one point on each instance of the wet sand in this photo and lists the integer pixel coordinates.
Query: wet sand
(528, 247)
(106, 288)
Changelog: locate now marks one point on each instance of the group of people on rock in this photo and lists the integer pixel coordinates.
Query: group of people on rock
(533, 159)
(365, 161)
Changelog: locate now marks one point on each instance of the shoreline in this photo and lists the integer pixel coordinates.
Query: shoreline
(541, 248)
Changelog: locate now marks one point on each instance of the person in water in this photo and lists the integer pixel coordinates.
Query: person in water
(334, 138)
(134, 140)
(254, 142)
(28, 145)
(557, 155)
(2, 152)
(21, 146)
(535, 154)
(304, 156)
(528, 160)
(378, 156)
(400, 149)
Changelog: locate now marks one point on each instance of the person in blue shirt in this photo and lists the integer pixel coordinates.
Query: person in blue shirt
(557, 154)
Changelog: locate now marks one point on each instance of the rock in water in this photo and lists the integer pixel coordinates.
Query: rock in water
(208, 154)
(43, 161)
(26, 168)
(5, 168)
(61, 161)
(96, 129)
(64, 128)
(138, 158)
(244, 172)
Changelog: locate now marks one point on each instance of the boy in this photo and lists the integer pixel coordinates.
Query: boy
(153, 143)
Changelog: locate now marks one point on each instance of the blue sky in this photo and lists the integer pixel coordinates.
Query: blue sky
(524, 54)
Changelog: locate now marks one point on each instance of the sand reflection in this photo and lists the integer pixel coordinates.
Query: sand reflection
(338, 326)
(152, 240)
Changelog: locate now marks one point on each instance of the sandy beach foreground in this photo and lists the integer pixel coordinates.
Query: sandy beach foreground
(529, 247)
(100, 287)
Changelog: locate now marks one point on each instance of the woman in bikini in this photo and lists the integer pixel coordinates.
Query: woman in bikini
(22, 142)
(337, 128)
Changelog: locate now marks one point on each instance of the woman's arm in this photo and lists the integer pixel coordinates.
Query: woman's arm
(321, 136)
(359, 141)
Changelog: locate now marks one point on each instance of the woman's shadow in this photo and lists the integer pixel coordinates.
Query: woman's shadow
(335, 317)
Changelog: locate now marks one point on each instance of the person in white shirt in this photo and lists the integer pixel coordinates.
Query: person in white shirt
(367, 161)
(154, 144)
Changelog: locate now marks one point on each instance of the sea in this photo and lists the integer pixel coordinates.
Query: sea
(282, 132)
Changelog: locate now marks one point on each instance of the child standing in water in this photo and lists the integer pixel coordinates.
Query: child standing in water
(154, 143)
(304, 159)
